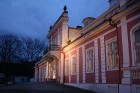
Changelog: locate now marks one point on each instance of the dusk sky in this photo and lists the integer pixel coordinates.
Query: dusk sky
(33, 17)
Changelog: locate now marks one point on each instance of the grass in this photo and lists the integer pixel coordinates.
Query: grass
(13, 91)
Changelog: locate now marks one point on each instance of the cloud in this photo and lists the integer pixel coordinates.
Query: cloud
(33, 17)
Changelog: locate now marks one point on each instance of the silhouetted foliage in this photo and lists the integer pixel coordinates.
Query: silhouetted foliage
(18, 55)
(15, 50)
(10, 46)
(32, 49)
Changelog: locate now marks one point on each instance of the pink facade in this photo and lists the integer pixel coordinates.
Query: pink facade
(103, 56)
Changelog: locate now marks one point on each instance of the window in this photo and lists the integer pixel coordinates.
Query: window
(60, 37)
(74, 65)
(137, 46)
(113, 2)
(56, 39)
(89, 60)
(67, 67)
(112, 55)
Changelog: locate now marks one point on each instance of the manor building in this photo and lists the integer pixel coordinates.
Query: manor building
(102, 56)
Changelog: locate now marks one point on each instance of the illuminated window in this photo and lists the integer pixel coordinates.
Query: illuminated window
(137, 46)
(74, 65)
(67, 67)
(112, 54)
(89, 60)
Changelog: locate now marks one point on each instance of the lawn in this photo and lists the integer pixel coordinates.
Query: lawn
(13, 91)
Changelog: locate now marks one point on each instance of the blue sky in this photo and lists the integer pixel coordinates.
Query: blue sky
(33, 17)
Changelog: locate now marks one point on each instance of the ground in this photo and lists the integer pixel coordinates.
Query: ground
(34, 87)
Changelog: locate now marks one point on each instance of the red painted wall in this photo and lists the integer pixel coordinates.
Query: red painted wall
(133, 14)
(136, 81)
(112, 77)
(90, 78)
(73, 78)
(66, 79)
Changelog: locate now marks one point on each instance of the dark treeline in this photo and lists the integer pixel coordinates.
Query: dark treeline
(18, 55)
(17, 69)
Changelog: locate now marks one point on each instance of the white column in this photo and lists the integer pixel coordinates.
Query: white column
(84, 64)
(61, 74)
(47, 70)
(77, 66)
(96, 62)
(64, 32)
(103, 71)
(126, 61)
(69, 68)
(125, 49)
(59, 68)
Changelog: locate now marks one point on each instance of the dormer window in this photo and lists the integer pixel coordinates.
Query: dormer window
(88, 20)
(113, 2)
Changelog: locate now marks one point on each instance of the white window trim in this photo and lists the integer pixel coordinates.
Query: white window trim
(72, 64)
(133, 51)
(93, 60)
(107, 62)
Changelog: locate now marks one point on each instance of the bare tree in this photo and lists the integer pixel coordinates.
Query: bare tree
(32, 49)
(9, 48)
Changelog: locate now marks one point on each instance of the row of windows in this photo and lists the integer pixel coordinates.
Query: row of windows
(112, 57)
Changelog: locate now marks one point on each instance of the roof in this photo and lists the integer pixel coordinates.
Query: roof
(88, 18)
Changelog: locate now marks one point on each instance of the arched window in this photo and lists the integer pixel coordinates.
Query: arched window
(136, 35)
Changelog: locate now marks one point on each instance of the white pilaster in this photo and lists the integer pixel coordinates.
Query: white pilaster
(126, 61)
(103, 72)
(77, 66)
(84, 63)
(61, 69)
(64, 32)
(69, 68)
(47, 71)
(96, 62)
(125, 49)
